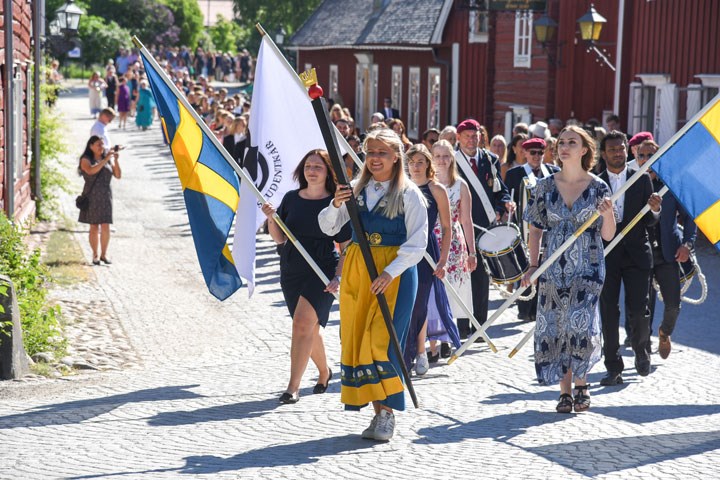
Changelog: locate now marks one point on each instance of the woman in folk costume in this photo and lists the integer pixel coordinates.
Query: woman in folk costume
(393, 212)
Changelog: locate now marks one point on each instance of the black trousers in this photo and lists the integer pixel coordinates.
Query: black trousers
(480, 283)
(636, 281)
(667, 275)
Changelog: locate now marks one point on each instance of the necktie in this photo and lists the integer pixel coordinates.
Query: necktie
(536, 172)
(473, 164)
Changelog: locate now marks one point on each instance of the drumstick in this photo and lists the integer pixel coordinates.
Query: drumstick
(512, 196)
(484, 230)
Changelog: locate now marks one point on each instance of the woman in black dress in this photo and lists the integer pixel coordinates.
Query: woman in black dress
(307, 298)
(97, 167)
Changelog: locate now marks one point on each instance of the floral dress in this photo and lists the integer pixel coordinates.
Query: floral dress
(457, 270)
(568, 329)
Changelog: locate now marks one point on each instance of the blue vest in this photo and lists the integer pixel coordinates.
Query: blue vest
(380, 230)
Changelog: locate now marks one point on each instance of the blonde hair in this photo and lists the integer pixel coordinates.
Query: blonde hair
(394, 197)
(453, 171)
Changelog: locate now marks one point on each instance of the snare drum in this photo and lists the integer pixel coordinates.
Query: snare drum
(503, 253)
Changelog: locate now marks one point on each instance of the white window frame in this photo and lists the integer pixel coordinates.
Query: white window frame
(414, 89)
(396, 87)
(333, 82)
(434, 73)
(479, 23)
(522, 50)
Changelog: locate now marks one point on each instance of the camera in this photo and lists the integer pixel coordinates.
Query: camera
(117, 148)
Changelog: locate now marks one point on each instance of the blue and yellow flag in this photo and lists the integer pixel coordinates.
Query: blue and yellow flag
(210, 187)
(690, 169)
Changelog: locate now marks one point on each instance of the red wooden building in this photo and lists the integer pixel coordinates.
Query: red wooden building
(445, 60)
(16, 106)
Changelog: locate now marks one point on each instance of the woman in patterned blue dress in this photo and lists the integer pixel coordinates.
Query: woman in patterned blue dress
(568, 331)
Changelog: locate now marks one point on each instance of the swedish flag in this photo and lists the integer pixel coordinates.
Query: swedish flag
(690, 169)
(210, 186)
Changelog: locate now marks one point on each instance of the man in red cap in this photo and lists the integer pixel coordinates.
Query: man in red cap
(634, 143)
(521, 180)
(490, 200)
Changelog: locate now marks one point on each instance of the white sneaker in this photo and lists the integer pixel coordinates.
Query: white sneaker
(422, 365)
(369, 432)
(385, 426)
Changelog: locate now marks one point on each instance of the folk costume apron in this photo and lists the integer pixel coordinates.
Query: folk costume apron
(370, 369)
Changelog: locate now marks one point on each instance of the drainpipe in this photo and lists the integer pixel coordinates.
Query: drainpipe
(8, 96)
(618, 55)
(450, 82)
(38, 14)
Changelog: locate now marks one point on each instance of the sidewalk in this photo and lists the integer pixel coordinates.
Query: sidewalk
(201, 399)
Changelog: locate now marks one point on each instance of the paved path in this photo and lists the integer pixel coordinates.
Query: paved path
(200, 400)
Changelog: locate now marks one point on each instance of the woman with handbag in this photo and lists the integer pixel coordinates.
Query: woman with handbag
(98, 166)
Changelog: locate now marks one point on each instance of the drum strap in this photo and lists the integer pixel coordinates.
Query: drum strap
(464, 165)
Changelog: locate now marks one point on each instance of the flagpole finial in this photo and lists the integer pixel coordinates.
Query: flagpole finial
(309, 79)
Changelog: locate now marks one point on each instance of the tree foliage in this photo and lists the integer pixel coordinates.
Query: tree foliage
(273, 14)
(150, 20)
(101, 39)
(189, 18)
(227, 35)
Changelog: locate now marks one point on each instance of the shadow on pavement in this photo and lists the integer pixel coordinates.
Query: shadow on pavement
(640, 414)
(627, 452)
(276, 456)
(83, 410)
(217, 413)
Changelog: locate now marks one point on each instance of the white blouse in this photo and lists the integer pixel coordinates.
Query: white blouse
(332, 219)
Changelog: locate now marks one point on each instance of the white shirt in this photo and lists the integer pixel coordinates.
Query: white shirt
(100, 129)
(332, 219)
(617, 180)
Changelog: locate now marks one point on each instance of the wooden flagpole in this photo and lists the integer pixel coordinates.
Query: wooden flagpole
(331, 145)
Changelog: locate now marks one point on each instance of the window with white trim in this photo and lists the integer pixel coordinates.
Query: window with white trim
(478, 22)
(413, 123)
(433, 117)
(522, 54)
(396, 88)
(333, 83)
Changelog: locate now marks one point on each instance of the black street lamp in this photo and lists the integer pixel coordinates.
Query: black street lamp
(68, 17)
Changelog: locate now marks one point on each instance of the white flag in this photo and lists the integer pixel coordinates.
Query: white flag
(283, 128)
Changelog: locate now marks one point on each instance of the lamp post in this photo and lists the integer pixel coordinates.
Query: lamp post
(280, 35)
(64, 27)
(591, 25)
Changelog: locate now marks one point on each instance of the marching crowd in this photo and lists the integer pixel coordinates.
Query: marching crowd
(452, 199)
(444, 218)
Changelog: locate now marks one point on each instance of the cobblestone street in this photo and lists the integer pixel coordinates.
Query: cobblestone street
(189, 386)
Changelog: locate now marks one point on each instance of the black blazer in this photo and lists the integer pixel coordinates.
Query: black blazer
(635, 247)
(497, 199)
(235, 149)
(514, 180)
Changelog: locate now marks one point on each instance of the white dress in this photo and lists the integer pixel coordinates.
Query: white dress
(457, 271)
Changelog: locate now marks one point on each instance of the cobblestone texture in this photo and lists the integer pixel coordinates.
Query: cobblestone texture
(194, 393)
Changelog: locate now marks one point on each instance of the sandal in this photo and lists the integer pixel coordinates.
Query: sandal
(565, 403)
(582, 399)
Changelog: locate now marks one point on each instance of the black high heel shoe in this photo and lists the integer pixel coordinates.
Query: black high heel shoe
(320, 388)
(105, 260)
(289, 398)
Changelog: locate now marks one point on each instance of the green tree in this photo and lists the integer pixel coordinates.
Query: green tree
(150, 20)
(272, 14)
(189, 18)
(101, 39)
(227, 35)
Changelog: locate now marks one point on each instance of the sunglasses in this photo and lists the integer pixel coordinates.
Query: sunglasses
(536, 152)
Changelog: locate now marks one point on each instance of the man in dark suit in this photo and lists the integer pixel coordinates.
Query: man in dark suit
(521, 181)
(630, 262)
(671, 246)
(388, 109)
(481, 169)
